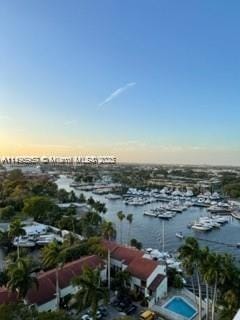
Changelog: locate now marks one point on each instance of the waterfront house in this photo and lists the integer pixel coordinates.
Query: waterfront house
(147, 276)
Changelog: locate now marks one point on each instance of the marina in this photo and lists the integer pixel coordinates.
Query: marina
(145, 222)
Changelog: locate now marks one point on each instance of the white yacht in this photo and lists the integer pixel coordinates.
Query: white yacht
(113, 197)
(45, 239)
(236, 215)
(150, 214)
(165, 215)
(209, 221)
(189, 193)
(174, 264)
(201, 226)
(220, 219)
(215, 196)
(219, 209)
(24, 242)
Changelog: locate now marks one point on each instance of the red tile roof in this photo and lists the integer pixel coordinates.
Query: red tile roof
(126, 255)
(122, 253)
(6, 296)
(110, 245)
(156, 282)
(138, 266)
(47, 280)
(142, 268)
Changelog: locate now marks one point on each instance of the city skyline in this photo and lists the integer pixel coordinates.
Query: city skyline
(145, 81)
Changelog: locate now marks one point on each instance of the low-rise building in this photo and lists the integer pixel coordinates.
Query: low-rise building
(44, 297)
(147, 276)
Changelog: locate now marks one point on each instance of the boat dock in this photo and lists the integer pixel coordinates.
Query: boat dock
(218, 242)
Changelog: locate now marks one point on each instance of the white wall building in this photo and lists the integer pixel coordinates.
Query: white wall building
(44, 297)
(147, 276)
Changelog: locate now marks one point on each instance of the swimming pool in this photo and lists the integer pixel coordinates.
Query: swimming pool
(181, 307)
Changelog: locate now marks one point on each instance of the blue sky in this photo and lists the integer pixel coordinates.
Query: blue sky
(169, 72)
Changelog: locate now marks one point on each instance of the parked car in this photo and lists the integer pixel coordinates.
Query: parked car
(147, 315)
(98, 314)
(131, 309)
(115, 302)
(103, 311)
(86, 317)
(122, 306)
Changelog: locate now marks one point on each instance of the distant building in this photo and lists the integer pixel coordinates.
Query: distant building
(27, 170)
(81, 208)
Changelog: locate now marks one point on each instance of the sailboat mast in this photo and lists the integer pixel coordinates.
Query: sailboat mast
(163, 236)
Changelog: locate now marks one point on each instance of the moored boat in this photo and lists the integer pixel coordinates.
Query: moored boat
(236, 215)
(45, 239)
(24, 242)
(201, 227)
(113, 197)
(179, 235)
(150, 214)
(165, 215)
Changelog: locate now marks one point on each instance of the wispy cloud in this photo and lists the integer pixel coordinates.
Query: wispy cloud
(70, 122)
(117, 92)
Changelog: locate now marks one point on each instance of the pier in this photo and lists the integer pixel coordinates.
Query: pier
(219, 242)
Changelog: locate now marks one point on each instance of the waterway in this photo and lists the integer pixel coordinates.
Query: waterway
(148, 230)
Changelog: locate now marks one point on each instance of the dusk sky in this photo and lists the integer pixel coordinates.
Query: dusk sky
(145, 80)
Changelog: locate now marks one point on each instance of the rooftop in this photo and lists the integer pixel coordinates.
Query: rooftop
(122, 253)
(142, 268)
(47, 281)
(138, 264)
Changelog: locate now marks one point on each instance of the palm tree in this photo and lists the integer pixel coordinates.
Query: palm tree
(82, 198)
(218, 274)
(16, 230)
(93, 218)
(130, 220)
(108, 230)
(231, 301)
(95, 246)
(5, 240)
(120, 216)
(204, 267)
(212, 276)
(121, 278)
(52, 258)
(100, 207)
(72, 196)
(70, 239)
(190, 254)
(91, 291)
(109, 233)
(20, 277)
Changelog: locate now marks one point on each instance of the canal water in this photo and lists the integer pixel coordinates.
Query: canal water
(148, 230)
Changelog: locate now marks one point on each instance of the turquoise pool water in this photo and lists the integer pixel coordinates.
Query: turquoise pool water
(181, 307)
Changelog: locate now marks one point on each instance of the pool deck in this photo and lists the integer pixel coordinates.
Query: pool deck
(183, 293)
